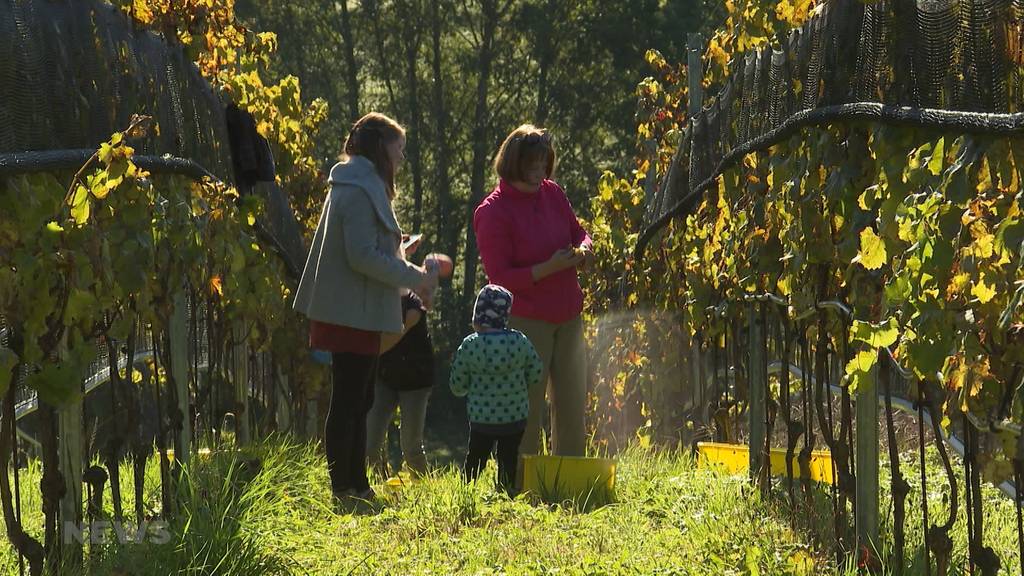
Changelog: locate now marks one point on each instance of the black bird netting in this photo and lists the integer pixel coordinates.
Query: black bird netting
(951, 65)
(940, 63)
(72, 73)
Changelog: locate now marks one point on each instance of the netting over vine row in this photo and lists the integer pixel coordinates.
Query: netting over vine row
(74, 72)
(943, 63)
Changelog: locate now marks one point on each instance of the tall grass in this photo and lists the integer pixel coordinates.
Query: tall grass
(267, 511)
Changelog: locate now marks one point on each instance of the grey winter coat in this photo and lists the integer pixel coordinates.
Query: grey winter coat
(355, 268)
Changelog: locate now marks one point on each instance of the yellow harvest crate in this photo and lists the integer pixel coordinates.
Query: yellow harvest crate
(575, 478)
(735, 458)
(394, 485)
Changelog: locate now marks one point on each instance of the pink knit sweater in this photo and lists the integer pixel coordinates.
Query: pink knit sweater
(516, 230)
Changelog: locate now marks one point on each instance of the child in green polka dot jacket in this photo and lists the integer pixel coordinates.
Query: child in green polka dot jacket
(495, 367)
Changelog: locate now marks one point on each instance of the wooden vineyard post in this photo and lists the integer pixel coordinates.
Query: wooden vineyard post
(699, 401)
(312, 418)
(867, 449)
(240, 354)
(179, 373)
(758, 391)
(70, 438)
(284, 408)
(866, 515)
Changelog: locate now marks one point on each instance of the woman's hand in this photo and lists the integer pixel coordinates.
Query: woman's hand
(588, 256)
(410, 248)
(560, 260)
(429, 285)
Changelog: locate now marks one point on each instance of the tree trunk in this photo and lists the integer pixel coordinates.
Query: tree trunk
(446, 213)
(545, 61)
(352, 67)
(374, 14)
(481, 145)
(411, 12)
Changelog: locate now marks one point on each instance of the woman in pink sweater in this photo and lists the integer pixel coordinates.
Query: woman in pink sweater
(532, 244)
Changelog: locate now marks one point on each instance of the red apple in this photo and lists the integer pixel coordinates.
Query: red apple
(444, 264)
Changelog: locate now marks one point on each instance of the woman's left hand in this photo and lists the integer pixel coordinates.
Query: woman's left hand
(588, 256)
(410, 248)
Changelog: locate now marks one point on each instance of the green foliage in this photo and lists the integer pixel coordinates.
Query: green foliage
(919, 232)
(83, 260)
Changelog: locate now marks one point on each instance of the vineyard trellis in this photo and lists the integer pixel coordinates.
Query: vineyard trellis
(174, 369)
(845, 209)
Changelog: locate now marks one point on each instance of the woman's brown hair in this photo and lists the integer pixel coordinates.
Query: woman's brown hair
(524, 146)
(369, 138)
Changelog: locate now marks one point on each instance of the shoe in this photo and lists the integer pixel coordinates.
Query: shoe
(367, 495)
(365, 502)
(343, 501)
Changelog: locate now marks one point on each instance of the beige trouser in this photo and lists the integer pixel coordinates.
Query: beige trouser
(562, 350)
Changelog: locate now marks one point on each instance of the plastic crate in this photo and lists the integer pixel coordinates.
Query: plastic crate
(735, 458)
(577, 479)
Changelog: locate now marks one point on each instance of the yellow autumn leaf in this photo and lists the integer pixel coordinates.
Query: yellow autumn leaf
(983, 245)
(958, 284)
(872, 253)
(983, 291)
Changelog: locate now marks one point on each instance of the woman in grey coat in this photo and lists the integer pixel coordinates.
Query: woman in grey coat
(351, 289)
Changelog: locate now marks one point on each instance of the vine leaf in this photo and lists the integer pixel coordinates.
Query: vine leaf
(859, 368)
(8, 359)
(57, 384)
(876, 335)
(80, 205)
(983, 291)
(935, 162)
(872, 253)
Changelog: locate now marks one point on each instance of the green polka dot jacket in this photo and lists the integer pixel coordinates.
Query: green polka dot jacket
(495, 370)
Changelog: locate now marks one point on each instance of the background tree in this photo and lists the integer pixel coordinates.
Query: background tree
(460, 75)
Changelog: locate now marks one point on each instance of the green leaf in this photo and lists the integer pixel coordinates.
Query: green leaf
(876, 335)
(872, 253)
(936, 160)
(57, 384)
(81, 304)
(752, 560)
(81, 213)
(927, 353)
(8, 360)
(862, 362)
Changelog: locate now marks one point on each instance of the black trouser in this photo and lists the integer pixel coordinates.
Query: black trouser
(345, 434)
(481, 445)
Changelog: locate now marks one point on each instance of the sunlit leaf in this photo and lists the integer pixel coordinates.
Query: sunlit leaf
(872, 250)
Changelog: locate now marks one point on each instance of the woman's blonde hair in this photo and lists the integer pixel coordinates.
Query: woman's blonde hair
(369, 138)
(524, 146)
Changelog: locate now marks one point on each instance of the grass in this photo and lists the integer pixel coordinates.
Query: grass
(276, 518)
(1000, 521)
(267, 511)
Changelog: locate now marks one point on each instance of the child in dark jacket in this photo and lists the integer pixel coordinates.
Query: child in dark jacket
(405, 380)
(495, 367)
